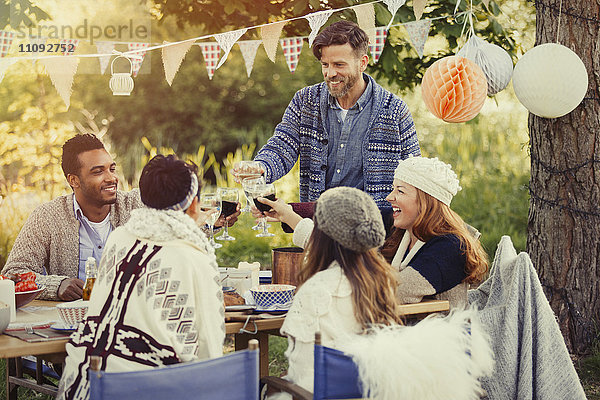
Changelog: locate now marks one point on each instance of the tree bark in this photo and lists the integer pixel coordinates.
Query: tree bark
(564, 214)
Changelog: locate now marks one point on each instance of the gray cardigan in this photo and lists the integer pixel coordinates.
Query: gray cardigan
(48, 243)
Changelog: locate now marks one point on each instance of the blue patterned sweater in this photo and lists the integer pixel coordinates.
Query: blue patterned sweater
(301, 133)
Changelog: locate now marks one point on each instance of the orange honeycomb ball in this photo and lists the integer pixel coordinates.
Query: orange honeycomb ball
(454, 89)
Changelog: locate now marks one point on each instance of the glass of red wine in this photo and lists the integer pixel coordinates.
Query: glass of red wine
(229, 202)
(268, 192)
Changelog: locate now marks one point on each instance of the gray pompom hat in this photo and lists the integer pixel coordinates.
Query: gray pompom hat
(350, 217)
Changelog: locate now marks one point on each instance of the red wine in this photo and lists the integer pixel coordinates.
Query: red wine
(263, 207)
(228, 207)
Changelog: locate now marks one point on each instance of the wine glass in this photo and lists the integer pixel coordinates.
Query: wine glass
(248, 185)
(229, 201)
(246, 169)
(267, 191)
(211, 201)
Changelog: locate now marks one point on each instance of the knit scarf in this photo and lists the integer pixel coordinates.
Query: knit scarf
(165, 225)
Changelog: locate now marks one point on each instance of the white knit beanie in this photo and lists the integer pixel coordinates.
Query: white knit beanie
(431, 175)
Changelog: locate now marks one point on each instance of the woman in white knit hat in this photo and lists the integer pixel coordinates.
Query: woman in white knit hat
(431, 248)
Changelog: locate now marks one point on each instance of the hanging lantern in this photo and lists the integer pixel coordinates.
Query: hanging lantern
(550, 80)
(121, 83)
(454, 89)
(493, 60)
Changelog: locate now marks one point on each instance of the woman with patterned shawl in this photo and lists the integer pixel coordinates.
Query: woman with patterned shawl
(156, 300)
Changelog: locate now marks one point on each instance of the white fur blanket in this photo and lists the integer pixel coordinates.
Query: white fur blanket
(434, 359)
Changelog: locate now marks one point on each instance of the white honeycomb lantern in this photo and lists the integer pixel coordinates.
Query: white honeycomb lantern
(550, 80)
(121, 83)
(493, 60)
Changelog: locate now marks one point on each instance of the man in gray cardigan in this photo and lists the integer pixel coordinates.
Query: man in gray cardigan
(60, 235)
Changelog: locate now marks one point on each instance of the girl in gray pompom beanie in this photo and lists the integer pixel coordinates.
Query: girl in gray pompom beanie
(345, 284)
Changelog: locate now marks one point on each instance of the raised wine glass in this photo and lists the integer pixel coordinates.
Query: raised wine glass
(211, 201)
(248, 186)
(229, 201)
(246, 169)
(267, 191)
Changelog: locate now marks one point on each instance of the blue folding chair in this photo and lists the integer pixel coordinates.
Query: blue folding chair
(234, 377)
(335, 377)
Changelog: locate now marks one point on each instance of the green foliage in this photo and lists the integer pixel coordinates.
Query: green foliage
(400, 64)
(15, 13)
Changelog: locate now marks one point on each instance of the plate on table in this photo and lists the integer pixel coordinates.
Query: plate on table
(240, 307)
(62, 327)
(277, 308)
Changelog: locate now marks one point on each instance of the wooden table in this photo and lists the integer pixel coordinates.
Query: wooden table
(12, 348)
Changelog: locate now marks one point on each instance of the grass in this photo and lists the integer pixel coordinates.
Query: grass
(588, 369)
(23, 394)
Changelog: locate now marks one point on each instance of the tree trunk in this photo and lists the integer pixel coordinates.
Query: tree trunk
(564, 214)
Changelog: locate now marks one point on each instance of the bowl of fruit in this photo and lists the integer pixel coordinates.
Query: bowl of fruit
(26, 290)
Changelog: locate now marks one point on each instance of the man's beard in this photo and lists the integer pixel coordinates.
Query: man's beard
(347, 84)
(95, 196)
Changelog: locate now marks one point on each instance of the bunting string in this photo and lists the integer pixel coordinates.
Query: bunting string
(131, 54)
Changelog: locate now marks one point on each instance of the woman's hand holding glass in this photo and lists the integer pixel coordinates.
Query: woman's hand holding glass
(266, 191)
(280, 212)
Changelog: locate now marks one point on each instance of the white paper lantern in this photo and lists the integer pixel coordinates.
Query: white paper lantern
(493, 60)
(121, 83)
(550, 80)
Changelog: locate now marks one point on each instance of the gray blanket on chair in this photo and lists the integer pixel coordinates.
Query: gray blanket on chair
(532, 361)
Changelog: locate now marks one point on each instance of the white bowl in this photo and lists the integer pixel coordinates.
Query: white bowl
(73, 312)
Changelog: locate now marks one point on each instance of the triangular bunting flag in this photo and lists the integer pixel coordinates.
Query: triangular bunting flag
(226, 41)
(486, 2)
(393, 6)
(292, 47)
(270, 37)
(248, 49)
(137, 61)
(5, 63)
(418, 7)
(365, 18)
(316, 21)
(172, 57)
(6, 39)
(70, 46)
(104, 48)
(211, 53)
(61, 72)
(418, 31)
(376, 47)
